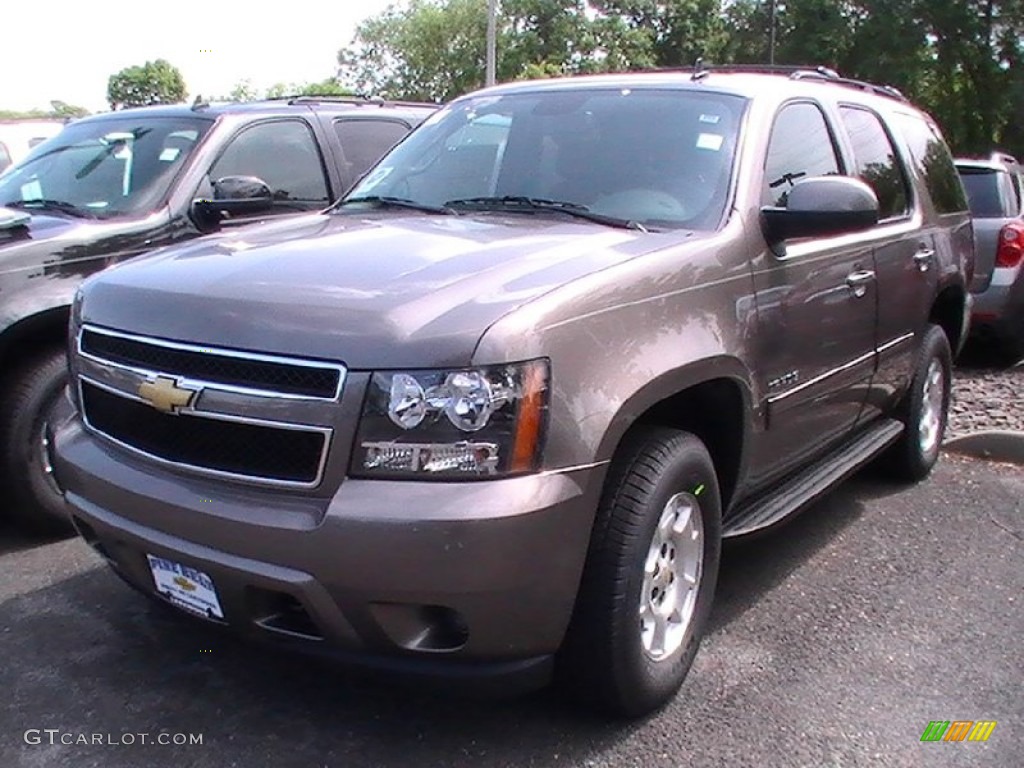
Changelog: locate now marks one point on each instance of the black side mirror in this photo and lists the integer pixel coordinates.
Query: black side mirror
(821, 206)
(233, 196)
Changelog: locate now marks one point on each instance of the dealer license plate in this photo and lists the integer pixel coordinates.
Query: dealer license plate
(188, 588)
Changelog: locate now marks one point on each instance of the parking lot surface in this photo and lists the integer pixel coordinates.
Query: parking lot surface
(834, 642)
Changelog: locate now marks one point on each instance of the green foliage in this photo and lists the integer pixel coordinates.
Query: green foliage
(60, 110)
(246, 91)
(960, 59)
(155, 82)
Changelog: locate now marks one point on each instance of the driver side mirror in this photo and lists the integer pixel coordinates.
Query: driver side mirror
(821, 206)
(234, 196)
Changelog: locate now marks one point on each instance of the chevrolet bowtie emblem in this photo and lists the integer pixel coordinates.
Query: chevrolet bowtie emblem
(164, 394)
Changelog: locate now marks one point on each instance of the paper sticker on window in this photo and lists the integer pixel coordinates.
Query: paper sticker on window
(169, 155)
(713, 119)
(375, 178)
(33, 190)
(710, 141)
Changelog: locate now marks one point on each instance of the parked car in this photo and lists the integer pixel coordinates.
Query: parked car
(113, 186)
(494, 412)
(995, 192)
(19, 137)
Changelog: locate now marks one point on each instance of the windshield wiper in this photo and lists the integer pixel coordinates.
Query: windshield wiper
(44, 204)
(523, 204)
(396, 202)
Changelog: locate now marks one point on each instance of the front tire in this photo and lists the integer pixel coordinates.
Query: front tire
(925, 411)
(650, 576)
(30, 494)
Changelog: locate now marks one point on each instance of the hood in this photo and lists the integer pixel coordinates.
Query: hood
(382, 290)
(42, 243)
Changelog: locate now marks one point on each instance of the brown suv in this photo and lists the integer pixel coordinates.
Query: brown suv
(493, 414)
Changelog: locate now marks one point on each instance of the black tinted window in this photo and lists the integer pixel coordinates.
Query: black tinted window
(876, 160)
(990, 193)
(801, 147)
(934, 163)
(364, 142)
(282, 153)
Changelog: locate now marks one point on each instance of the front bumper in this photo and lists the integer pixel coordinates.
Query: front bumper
(472, 579)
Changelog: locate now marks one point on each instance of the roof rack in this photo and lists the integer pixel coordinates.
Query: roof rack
(796, 72)
(364, 101)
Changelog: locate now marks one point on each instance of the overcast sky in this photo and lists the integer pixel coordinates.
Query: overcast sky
(66, 49)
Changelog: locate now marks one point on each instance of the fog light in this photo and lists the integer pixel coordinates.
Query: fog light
(471, 458)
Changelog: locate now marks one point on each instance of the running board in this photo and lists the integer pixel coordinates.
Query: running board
(794, 494)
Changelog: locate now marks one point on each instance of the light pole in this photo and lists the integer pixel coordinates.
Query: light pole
(492, 40)
(771, 33)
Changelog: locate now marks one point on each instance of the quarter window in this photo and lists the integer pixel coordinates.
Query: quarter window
(800, 147)
(284, 154)
(934, 163)
(876, 160)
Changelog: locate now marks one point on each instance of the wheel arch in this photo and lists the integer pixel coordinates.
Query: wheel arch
(712, 400)
(46, 327)
(949, 312)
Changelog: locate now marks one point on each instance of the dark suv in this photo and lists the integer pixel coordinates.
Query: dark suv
(494, 412)
(116, 185)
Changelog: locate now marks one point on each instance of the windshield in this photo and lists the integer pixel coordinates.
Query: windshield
(104, 168)
(661, 158)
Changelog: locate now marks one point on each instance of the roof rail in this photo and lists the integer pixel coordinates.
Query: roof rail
(364, 101)
(797, 72)
(763, 69)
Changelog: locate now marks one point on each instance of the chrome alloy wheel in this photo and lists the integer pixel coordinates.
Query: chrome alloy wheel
(672, 573)
(932, 400)
(42, 443)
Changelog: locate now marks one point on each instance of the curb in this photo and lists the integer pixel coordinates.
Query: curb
(993, 445)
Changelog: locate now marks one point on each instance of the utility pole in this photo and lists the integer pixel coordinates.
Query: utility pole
(492, 40)
(771, 32)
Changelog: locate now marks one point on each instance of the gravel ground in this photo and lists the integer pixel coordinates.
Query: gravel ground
(986, 398)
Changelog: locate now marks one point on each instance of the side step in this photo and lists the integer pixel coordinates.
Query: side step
(797, 492)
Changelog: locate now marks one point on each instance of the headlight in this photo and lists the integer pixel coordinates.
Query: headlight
(480, 422)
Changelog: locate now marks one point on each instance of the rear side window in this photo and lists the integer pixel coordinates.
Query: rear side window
(876, 160)
(990, 193)
(934, 163)
(5, 158)
(801, 146)
(364, 142)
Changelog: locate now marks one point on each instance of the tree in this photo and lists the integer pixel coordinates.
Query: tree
(434, 50)
(155, 82)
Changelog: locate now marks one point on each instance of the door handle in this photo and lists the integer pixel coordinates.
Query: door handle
(858, 281)
(923, 259)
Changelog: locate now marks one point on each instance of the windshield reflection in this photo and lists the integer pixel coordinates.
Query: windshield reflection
(654, 156)
(104, 168)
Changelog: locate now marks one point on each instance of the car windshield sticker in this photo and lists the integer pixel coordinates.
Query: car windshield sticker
(169, 155)
(710, 141)
(713, 119)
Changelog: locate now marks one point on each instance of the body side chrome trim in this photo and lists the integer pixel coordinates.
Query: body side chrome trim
(821, 377)
(896, 342)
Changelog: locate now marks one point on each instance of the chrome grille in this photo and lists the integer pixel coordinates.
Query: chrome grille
(258, 419)
(252, 372)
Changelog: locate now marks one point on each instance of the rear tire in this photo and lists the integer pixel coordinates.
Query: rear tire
(650, 576)
(30, 494)
(924, 411)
